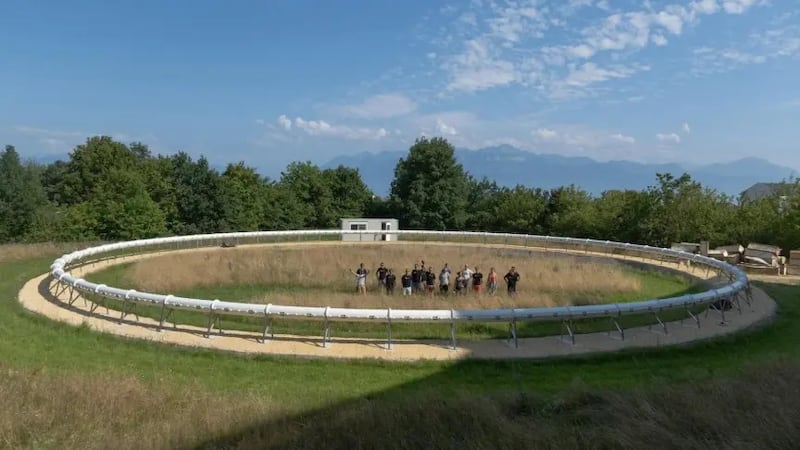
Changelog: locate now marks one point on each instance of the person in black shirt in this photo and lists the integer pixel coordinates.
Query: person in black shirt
(390, 281)
(405, 281)
(430, 279)
(512, 277)
(477, 281)
(381, 274)
(416, 279)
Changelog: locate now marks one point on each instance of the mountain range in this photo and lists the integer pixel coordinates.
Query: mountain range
(509, 166)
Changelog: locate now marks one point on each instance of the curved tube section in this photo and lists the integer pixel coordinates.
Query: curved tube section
(737, 284)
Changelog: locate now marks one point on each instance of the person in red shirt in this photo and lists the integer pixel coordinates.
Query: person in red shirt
(491, 282)
(477, 281)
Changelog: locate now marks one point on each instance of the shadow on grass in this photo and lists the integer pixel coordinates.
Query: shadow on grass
(734, 392)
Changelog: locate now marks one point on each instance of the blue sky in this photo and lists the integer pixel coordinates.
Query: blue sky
(269, 82)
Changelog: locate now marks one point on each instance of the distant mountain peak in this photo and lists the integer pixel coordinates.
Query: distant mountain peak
(509, 166)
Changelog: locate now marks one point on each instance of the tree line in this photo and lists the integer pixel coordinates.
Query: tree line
(107, 190)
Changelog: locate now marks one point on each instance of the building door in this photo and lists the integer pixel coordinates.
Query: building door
(386, 226)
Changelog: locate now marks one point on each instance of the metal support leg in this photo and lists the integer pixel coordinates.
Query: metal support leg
(326, 336)
(567, 325)
(694, 317)
(512, 331)
(128, 308)
(389, 333)
(748, 295)
(452, 335)
(96, 304)
(64, 288)
(161, 319)
(617, 321)
(164, 317)
(660, 322)
(73, 295)
(210, 323)
(267, 329)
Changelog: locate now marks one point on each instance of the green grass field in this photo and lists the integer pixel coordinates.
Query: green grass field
(68, 387)
(655, 285)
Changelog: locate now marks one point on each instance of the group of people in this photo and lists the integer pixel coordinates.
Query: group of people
(422, 280)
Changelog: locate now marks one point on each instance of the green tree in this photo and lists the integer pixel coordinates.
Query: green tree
(89, 165)
(282, 210)
(197, 196)
(570, 212)
(123, 210)
(482, 199)
(685, 211)
(621, 215)
(430, 188)
(350, 196)
(520, 210)
(21, 195)
(307, 185)
(242, 190)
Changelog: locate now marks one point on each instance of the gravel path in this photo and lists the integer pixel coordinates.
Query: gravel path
(39, 295)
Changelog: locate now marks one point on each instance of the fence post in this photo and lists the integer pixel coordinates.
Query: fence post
(389, 329)
(452, 330)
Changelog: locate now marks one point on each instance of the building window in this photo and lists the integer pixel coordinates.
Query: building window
(358, 226)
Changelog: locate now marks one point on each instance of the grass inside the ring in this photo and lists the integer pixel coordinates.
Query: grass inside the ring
(264, 276)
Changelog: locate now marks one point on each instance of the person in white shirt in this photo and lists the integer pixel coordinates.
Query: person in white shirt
(361, 279)
(444, 280)
(467, 272)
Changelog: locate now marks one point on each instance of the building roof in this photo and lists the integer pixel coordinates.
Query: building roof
(762, 190)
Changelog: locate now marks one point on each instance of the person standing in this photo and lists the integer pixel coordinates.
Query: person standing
(491, 282)
(381, 274)
(405, 281)
(430, 280)
(390, 281)
(477, 281)
(444, 280)
(512, 277)
(467, 274)
(416, 279)
(361, 279)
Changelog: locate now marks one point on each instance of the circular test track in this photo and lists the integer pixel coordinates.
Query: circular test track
(62, 294)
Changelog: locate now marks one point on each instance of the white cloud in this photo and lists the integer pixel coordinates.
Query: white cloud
(501, 47)
(623, 138)
(323, 128)
(737, 6)
(546, 134)
(581, 51)
(478, 69)
(285, 122)
(705, 6)
(756, 48)
(660, 40)
(381, 107)
(260, 122)
(685, 128)
(445, 129)
(47, 133)
(58, 141)
(669, 138)
(590, 73)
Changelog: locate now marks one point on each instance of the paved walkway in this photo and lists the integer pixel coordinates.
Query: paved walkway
(39, 296)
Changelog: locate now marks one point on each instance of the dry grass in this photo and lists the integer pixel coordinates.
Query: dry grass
(50, 410)
(323, 273)
(41, 410)
(758, 411)
(20, 252)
